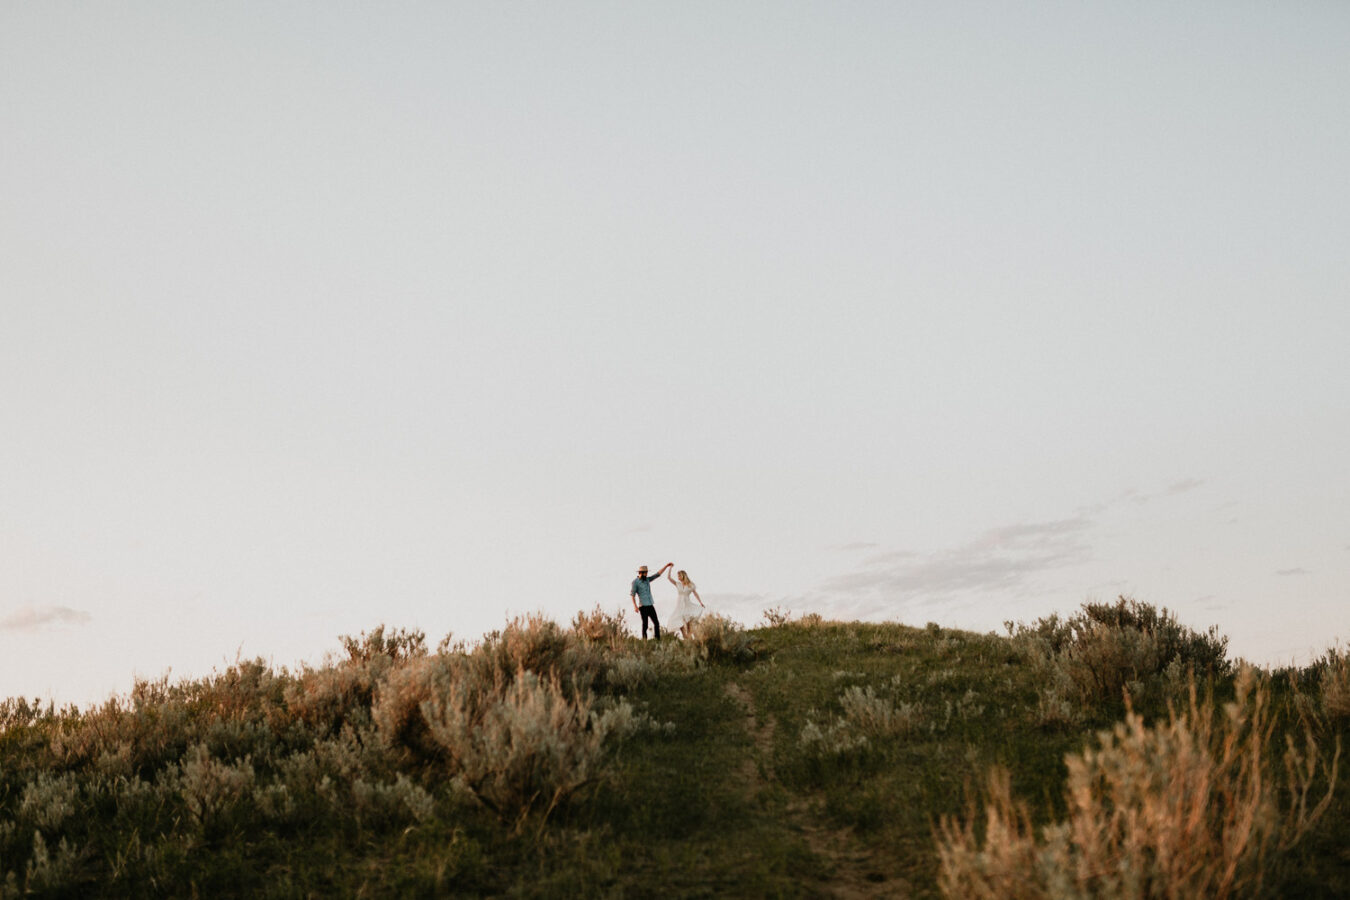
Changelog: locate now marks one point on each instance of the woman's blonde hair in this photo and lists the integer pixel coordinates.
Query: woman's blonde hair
(684, 576)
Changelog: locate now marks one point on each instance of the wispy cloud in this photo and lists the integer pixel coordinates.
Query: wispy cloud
(881, 559)
(29, 618)
(1006, 561)
(1137, 497)
(853, 546)
(1000, 559)
(1288, 572)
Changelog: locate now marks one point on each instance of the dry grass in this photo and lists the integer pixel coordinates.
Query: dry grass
(607, 629)
(537, 644)
(717, 638)
(1334, 685)
(395, 644)
(1186, 808)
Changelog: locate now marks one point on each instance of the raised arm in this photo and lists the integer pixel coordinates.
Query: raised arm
(671, 578)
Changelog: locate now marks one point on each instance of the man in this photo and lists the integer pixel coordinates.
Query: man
(642, 590)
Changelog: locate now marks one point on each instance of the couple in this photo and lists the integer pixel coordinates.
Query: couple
(641, 595)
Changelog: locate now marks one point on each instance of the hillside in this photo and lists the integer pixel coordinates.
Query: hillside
(805, 758)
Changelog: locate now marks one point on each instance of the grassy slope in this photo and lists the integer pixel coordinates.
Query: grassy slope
(729, 804)
(734, 806)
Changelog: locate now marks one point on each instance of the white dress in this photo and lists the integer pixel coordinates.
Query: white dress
(686, 607)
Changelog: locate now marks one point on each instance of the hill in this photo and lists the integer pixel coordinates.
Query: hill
(1112, 753)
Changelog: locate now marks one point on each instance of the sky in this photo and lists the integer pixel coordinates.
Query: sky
(317, 316)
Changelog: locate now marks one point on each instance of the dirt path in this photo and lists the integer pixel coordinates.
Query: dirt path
(762, 759)
(858, 873)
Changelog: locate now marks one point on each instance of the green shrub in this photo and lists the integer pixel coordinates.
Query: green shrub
(51, 872)
(878, 716)
(1102, 660)
(832, 740)
(524, 745)
(627, 673)
(1204, 652)
(1105, 649)
(869, 722)
(152, 728)
(395, 803)
(211, 788)
(49, 800)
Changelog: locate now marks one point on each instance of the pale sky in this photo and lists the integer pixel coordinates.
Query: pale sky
(315, 316)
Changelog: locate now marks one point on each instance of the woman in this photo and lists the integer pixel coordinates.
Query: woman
(684, 616)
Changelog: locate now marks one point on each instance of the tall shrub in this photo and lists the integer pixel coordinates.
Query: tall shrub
(526, 744)
(1105, 648)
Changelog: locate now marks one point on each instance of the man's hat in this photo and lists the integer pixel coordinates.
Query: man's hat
(642, 569)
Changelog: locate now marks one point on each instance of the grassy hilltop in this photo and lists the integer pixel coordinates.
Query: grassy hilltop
(805, 758)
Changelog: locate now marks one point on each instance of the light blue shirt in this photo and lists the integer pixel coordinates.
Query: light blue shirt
(643, 588)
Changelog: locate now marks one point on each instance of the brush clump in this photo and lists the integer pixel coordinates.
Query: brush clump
(1107, 649)
(1188, 807)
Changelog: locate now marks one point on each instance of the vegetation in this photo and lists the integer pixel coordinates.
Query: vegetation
(1113, 753)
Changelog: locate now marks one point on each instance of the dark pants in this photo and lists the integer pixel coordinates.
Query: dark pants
(649, 612)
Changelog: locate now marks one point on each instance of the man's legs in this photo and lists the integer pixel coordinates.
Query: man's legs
(645, 612)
